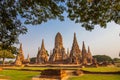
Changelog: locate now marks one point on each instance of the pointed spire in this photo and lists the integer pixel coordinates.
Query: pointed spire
(42, 46)
(75, 39)
(75, 43)
(84, 52)
(83, 45)
(75, 52)
(42, 56)
(20, 46)
(83, 48)
(89, 50)
(21, 53)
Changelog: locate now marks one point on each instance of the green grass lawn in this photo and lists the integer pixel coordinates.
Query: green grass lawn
(17, 74)
(102, 69)
(96, 77)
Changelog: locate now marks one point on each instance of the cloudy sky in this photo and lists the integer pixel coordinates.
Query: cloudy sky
(101, 41)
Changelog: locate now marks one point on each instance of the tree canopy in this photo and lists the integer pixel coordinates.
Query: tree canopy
(116, 59)
(6, 54)
(10, 25)
(14, 14)
(102, 58)
(94, 12)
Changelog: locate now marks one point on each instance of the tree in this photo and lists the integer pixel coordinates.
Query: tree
(6, 54)
(116, 59)
(33, 12)
(39, 11)
(94, 12)
(10, 26)
(102, 58)
(15, 13)
(33, 60)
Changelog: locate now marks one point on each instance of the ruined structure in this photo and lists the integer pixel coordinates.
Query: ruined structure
(89, 56)
(18, 61)
(21, 54)
(20, 57)
(42, 56)
(84, 54)
(75, 54)
(59, 54)
(26, 61)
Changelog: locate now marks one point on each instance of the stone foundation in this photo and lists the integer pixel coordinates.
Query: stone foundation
(52, 74)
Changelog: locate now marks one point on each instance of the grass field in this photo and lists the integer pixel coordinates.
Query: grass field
(102, 69)
(96, 77)
(17, 75)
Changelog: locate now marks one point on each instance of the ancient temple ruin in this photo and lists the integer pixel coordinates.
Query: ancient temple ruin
(59, 54)
(17, 61)
(21, 54)
(20, 57)
(75, 54)
(42, 56)
(84, 54)
(89, 56)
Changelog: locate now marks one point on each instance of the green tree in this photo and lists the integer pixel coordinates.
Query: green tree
(14, 14)
(102, 58)
(10, 25)
(33, 60)
(6, 54)
(94, 12)
(116, 59)
(39, 11)
(33, 12)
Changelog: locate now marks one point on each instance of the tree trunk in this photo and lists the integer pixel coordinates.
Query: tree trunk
(3, 61)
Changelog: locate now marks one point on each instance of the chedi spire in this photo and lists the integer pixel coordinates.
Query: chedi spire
(75, 54)
(21, 54)
(58, 40)
(18, 61)
(42, 46)
(42, 56)
(84, 54)
(89, 56)
(59, 53)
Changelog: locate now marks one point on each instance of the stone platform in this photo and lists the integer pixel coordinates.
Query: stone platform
(52, 74)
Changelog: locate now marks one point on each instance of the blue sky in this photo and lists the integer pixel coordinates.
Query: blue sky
(101, 41)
